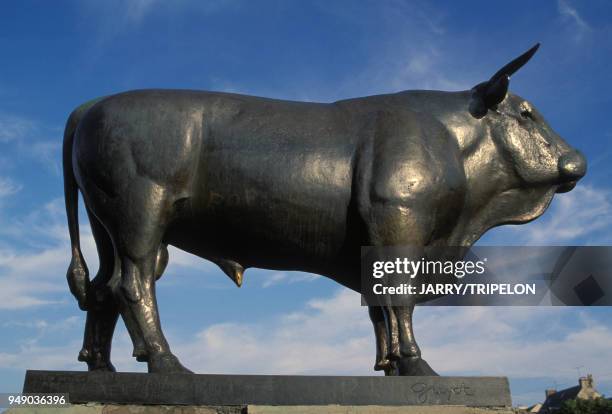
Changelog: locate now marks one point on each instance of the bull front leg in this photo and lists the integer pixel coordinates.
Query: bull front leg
(397, 225)
(377, 317)
(387, 339)
(410, 362)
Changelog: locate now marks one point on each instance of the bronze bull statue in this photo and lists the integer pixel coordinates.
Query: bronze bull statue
(253, 182)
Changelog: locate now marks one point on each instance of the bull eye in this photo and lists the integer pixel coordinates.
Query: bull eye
(526, 114)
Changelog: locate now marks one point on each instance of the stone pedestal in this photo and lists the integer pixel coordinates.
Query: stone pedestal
(260, 409)
(265, 393)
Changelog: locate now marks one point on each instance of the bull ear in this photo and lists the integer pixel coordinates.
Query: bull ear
(487, 95)
(496, 92)
(477, 108)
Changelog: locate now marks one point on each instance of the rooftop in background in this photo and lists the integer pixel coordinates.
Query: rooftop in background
(585, 390)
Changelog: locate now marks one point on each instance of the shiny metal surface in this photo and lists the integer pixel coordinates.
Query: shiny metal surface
(253, 182)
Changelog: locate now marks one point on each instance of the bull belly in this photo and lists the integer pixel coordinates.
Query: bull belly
(269, 239)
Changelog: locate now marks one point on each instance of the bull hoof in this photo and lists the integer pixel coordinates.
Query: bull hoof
(95, 361)
(141, 355)
(101, 367)
(382, 365)
(415, 366)
(84, 355)
(167, 364)
(391, 370)
(389, 366)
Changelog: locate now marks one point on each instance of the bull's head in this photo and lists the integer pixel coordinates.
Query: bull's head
(539, 156)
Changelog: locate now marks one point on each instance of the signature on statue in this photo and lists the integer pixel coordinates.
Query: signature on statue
(439, 393)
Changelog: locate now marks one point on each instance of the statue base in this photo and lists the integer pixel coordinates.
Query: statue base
(261, 409)
(273, 390)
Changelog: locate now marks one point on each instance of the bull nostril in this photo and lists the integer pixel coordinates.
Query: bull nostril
(572, 166)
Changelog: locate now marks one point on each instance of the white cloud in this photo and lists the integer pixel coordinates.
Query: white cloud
(33, 278)
(30, 352)
(182, 259)
(48, 153)
(13, 128)
(524, 342)
(424, 69)
(579, 26)
(44, 326)
(22, 136)
(418, 55)
(487, 340)
(274, 279)
(8, 187)
(33, 273)
(278, 278)
(126, 14)
(415, 54)
(569, 12)
(36, 351)
(115, 16)
(137, 9)
(329, 336)
(49, 357)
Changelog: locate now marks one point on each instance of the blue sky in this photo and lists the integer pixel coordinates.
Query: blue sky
(55, 57)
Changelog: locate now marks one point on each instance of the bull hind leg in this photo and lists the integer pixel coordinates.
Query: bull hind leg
(231, 268)
(137, 241)
(138, 291)
(140, 351)
(102, 310)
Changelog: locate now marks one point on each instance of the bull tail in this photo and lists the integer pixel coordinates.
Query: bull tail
(77, 274)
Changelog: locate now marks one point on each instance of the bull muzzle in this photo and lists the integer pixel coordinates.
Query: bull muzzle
(572, 167)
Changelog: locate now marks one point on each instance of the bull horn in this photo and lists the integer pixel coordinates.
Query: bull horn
(487, 95)
(509, 69)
